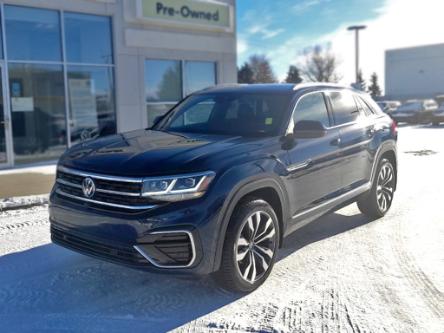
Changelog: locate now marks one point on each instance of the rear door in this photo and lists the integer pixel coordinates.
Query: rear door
(314, 174)
(356, 132)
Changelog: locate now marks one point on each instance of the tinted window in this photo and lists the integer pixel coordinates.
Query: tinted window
(199, 75)
(363, 107)
(88, 38)
(344, 107)
(228, 114)
(312, 107)
(33, 34)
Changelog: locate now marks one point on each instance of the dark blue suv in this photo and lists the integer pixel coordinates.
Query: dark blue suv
(220, 180)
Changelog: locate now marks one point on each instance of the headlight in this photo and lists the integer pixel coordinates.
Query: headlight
(177, 188)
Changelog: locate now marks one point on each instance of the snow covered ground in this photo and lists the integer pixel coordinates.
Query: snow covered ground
(342, 273)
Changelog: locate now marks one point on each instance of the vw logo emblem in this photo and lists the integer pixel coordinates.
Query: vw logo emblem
(88, 187)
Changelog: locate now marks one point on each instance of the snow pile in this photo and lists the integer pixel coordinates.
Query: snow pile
(23, 202)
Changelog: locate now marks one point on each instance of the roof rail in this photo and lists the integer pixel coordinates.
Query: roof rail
(318, 84)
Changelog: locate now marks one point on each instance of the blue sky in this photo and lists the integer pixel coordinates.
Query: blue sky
(266, 25)
(281, 29)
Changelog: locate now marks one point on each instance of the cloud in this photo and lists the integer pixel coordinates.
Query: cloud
(264, 31)
(242, 46)
(303, 6)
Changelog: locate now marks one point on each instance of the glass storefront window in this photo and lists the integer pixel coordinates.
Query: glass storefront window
(163, 87)
(33, 34)
(199, 75)
(38, 111)
(163, 81)
(88, 38)
(91, 101)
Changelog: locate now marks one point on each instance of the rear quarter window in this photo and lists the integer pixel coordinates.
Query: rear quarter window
(344, 107)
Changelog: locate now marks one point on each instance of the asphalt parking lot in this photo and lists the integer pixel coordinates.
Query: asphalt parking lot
(342, 273)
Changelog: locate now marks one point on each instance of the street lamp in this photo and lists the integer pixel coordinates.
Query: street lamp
(356, 29)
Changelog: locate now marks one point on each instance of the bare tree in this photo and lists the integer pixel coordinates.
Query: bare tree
(320, 65)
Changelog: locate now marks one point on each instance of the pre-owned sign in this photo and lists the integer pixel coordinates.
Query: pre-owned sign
(200, 14)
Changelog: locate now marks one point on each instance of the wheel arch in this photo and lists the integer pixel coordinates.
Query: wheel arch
(265, 187)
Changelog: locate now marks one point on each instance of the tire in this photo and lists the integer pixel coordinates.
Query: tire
(377, 202)
(240, 252)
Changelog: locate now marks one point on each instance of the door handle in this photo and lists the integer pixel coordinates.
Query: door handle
(4, 122)
(371, 132)
(335, 142)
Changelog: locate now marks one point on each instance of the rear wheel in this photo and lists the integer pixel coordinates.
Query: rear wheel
(377, 202)
(250, 246)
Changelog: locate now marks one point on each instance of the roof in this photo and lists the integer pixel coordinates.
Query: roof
(282, 88)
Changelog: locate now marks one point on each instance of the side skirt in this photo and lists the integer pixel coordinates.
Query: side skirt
(303, 218)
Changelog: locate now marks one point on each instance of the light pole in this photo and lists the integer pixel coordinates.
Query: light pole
(356, 29)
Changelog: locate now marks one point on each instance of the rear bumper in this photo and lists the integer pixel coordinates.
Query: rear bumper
(438, 118)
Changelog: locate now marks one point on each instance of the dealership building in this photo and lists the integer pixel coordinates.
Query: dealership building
(77, 69)
(414, 72)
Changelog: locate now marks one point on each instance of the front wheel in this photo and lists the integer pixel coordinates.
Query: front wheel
(377, 202)
(250, 247)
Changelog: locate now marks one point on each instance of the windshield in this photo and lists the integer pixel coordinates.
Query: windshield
(243, 114)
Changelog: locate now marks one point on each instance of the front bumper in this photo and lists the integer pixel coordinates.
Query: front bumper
(179, 238)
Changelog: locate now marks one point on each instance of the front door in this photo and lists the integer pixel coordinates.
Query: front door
(5, 127)
(314, 174)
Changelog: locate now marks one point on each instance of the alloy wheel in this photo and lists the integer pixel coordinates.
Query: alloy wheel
(385, 187)
(255, 246)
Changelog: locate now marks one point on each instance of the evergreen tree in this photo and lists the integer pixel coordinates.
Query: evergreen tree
(245, 74)
(360, 84)
(374, 88)
(293, 75)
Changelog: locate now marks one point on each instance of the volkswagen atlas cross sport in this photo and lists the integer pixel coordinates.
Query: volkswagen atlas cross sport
(219, 181)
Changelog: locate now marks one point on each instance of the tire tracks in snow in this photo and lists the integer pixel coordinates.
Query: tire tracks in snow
(431, 295)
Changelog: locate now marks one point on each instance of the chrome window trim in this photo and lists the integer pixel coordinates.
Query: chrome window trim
(324, 92)
(152, 261)
(60, 192)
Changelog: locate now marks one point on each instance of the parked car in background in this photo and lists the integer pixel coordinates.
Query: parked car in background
(389, 106)
(218, 182)
(438, 115)
(415, 112)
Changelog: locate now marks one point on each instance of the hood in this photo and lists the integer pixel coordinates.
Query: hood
(144, 153)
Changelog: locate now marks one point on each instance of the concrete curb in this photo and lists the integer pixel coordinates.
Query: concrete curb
(23, 202)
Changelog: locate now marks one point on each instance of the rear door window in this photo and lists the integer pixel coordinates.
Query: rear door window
(344, 107)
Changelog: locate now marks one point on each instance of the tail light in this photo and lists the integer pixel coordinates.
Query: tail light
(394, 128)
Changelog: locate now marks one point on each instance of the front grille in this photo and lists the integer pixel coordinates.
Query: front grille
(110, 191)
(119, 254)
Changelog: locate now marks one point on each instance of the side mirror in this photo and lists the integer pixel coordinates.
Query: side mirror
(309, 129)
